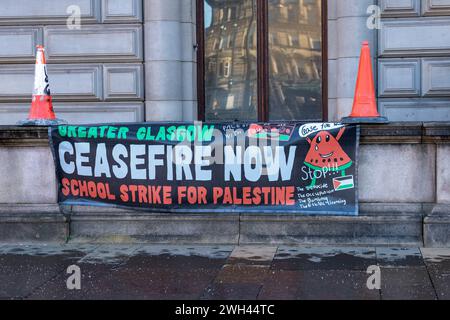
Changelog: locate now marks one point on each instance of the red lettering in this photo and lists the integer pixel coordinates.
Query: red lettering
(217, 193)
(65, 190)
(142, 194)
(167, 195)
(124, 193)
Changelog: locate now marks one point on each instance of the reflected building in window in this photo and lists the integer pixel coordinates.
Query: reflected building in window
(230, 60)
(295, 60)
(295, 57)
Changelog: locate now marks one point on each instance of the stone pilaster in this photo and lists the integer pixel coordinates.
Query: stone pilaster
(169, 31)
(347, 29)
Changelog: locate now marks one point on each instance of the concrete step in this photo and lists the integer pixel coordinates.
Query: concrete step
(392, 227)
(385, 225)
(436, 227)
(32, 223)
(399, 229)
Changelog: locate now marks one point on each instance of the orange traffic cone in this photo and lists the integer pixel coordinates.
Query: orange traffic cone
(41, 112)
(364, 104)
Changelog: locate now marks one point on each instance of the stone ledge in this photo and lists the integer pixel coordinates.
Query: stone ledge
(366, 229)
(395, 132)
(392, 224)
(30, 209)
(22, 227)
(155, 228)
(436, 228)
(436, 132)
(23, 136)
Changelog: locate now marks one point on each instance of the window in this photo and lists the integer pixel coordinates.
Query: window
(269, 58)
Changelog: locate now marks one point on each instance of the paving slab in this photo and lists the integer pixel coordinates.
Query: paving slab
(180, 257)
(241, 273)
(324, 258)
(399, 257)
(335, 285)
(109, 254)
(143, 272)
(255, 255)
(281, 285)
(25, 268)
(234, 291)
(98, 279)
(170, 283)
(412, 283)
(441, 282)
(96, 283)
(318, 284)
(222, 272)
(436, 258)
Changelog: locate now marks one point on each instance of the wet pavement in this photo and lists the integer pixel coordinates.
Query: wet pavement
(161, 272)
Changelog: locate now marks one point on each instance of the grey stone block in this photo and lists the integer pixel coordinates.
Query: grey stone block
(412, 109)
(412, 37)
(163, 80)
(366, 229)
(436, 229)
(32, 223)
(79, 112)
(27, 176)
(190, 111)
(128, 11)
(354, 8)
(436, 77)
(189, 81)
(162, 10)
(397, 173)
(443, 174)
(164, 111)
(50, 12)
(436, 8)
(350, 46)
(188, 11)
(163, 41)
(155, 228)
(21, 43)
(67, 82)
(124, 82)
(400, 8)
(332, 9)
(399, 78)
(94, 43)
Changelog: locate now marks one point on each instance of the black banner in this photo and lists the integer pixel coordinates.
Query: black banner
(209, 167)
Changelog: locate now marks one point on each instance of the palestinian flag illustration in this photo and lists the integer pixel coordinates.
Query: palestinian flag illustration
(326, 152)
(343, 183)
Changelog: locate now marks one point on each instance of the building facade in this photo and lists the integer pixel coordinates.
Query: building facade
(226, 60)
(136, 60)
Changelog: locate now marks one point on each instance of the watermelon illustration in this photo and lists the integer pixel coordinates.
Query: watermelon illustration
(326, 152)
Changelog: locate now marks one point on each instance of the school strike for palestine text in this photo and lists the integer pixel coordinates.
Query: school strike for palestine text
(140, 162)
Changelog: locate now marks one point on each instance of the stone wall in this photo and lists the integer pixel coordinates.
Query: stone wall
(411, 51)
(96, 72)
(170, 60)
(346, 31)
(134, 53)
(404, 195)
(414, 60)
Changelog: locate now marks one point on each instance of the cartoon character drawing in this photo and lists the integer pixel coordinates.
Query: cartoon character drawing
(326, 153)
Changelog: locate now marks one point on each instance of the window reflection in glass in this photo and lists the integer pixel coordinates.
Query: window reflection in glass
(295, 59)
(230, 60)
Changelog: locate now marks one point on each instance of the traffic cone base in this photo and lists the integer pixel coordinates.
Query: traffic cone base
(364, 104)
(364, 120)
(41, 112)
